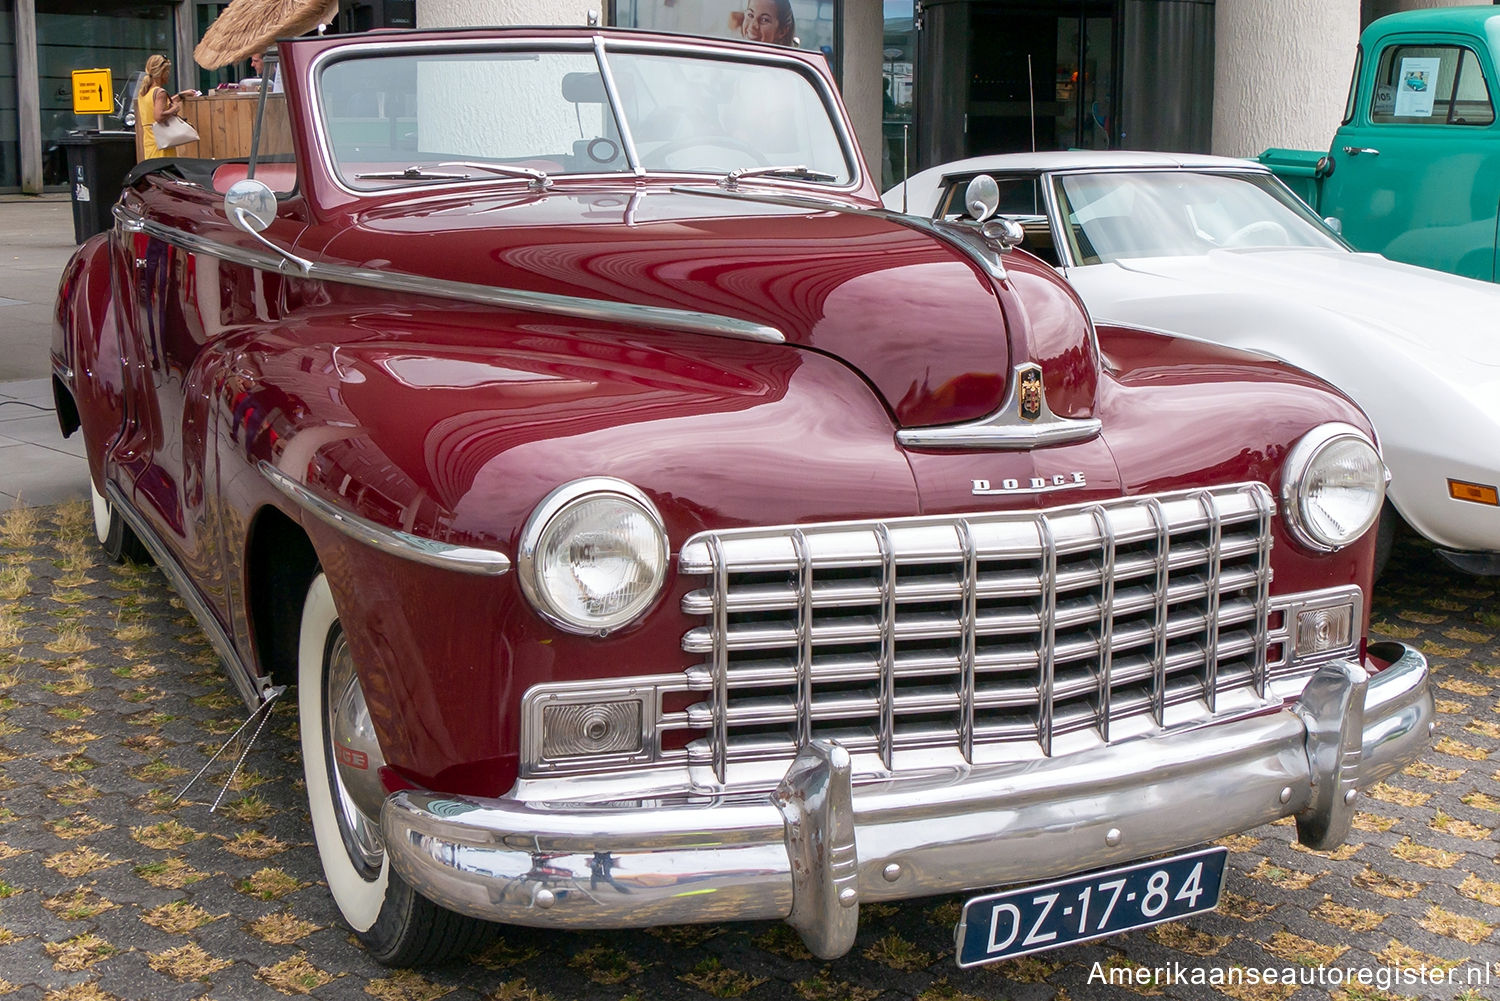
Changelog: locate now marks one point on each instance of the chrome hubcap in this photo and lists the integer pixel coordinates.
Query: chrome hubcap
(355, 761)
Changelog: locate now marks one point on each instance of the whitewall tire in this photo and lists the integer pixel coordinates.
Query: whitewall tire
(397, 925)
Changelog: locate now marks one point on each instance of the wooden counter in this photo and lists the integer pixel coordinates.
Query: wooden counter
(225, 122)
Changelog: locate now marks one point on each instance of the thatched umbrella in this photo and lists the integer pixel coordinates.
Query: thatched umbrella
(249, 26)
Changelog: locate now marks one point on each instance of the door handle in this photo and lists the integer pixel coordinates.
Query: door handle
(1357, 150)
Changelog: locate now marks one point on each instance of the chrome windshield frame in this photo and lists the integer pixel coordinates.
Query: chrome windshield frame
(601, 46)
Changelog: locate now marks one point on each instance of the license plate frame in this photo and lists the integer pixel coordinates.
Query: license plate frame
(1032, 918)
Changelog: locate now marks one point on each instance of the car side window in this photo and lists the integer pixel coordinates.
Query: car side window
(1430, 85)
(1019, 196)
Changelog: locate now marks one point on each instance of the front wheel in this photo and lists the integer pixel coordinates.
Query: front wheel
(396, 924)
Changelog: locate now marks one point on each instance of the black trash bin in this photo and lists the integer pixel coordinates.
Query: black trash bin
(97, 165)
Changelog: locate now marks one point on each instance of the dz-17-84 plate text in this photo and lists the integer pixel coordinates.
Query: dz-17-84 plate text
(1035, 918)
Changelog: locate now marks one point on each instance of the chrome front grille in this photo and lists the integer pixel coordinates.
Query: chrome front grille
(971, 633)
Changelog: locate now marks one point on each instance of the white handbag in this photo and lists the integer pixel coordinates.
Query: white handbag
(173, 131)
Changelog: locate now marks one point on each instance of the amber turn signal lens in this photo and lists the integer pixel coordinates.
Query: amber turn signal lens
(1479, 493)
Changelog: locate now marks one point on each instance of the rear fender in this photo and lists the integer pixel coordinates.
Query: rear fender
(87, 351)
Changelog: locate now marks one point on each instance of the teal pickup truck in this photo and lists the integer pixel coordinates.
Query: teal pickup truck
(1414, 171)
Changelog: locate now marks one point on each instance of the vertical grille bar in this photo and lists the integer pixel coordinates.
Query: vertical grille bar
(1048, 641)
(1163, 580)
(804, 637)
(720, 663)
(967, 624)
(1211, 606)
(1259, 668)
(1106, 615)
(887, 732)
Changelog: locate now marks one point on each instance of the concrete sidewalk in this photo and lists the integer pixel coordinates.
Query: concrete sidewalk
(37, 465)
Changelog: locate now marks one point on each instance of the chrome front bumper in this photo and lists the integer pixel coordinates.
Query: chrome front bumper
(815, 848)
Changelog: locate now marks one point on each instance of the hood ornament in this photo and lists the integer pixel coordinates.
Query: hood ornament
(1023, 421)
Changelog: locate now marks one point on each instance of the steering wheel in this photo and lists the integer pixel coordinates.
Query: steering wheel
(659, 156)
(1260, 233)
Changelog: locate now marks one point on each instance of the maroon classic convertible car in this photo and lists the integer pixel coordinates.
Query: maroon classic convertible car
(658, 530)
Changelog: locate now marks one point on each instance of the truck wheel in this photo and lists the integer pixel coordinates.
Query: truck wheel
(396, 924)
(115, 537)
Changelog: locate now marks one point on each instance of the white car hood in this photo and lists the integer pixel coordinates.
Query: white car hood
(1427, 313)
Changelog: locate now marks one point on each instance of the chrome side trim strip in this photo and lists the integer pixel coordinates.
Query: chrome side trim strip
(463, 559)
(251, 688)
(661, 317)
(1005, 428)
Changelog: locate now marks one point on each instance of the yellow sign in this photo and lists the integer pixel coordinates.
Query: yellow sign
(93, 92)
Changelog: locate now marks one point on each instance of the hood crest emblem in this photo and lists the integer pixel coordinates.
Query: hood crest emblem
(1030, 394)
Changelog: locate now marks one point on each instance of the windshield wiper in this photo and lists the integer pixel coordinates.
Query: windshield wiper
(538, 178)
(733, 178)
(412, 173)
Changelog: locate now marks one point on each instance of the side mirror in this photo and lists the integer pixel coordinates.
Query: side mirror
(982, 198)
(1333, 223)
(250, 205)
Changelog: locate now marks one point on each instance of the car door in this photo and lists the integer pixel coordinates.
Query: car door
(1417, 167)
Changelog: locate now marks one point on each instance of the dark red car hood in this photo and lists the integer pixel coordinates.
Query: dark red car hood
(921, 322)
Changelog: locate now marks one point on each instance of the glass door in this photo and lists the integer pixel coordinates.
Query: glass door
(1041, 76)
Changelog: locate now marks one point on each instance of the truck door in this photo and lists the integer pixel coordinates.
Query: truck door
(1417, 166)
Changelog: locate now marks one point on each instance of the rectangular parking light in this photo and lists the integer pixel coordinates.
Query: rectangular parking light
(1479, 493)
(1322, 629)
(581, 728)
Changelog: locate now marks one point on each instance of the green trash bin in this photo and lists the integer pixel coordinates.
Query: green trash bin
(97, 165)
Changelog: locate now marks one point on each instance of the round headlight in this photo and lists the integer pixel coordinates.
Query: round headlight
(1333, 488)
(593, 555)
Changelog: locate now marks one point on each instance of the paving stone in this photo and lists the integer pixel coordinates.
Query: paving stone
(110, 700)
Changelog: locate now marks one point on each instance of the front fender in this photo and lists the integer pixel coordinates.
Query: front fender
(445, 428)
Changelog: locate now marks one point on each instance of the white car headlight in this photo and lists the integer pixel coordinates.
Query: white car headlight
(593, 555)
(1333, 486)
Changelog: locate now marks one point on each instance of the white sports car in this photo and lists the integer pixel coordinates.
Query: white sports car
(1217, 248)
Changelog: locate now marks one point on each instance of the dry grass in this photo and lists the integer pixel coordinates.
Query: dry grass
(19, 527)
(186, 962)
(294, 976)
(165, 835)
(255, 845)
(281, 929)
(179, 917)
(72, 638)
(14, 582)
(1450, 925)
(269, 884)
(79, 863)
(79, 952)
(171, 874)
(78, 904)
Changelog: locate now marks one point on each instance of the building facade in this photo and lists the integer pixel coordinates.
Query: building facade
(925, 80)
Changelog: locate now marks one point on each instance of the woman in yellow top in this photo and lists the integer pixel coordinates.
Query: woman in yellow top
(153, 104)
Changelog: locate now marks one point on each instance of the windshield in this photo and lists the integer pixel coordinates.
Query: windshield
(445, 116)
(1109, 216)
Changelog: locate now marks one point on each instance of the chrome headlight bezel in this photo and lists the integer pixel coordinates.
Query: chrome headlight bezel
(535, 537)
(1300, 472)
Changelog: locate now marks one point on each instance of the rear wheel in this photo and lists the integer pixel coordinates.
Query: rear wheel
(115, 537)
(396, 924)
